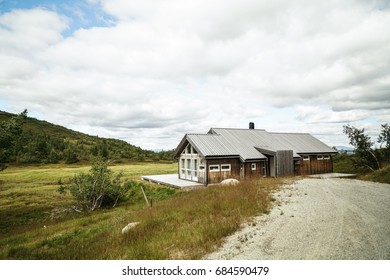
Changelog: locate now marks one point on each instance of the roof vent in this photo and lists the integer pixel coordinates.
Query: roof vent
(251, 125)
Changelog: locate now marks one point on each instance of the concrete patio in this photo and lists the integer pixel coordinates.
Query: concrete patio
(171, 180)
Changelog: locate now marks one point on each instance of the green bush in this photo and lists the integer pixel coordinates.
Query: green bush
(100, 187)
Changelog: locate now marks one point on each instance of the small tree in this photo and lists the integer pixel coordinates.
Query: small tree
(100, 187)
(384, 140)
(364, 154)
(384, 136)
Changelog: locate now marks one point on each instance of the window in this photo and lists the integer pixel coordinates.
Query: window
(182, 168)
(188, 149)
(306, 158)
(320, 157)
(226, 167)
(201, 167)
(214, 168)
(253, 165)
(327, 157)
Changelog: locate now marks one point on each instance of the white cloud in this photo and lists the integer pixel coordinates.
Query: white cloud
(321, 114)
(24, 31)
(170, 67)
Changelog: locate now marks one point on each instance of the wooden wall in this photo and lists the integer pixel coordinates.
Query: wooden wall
(313, 166)
(284, 163)
(239, 171)
(260, 171)
(285, 167)
(219, 176)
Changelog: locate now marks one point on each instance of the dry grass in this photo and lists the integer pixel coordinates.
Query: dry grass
(184, 225)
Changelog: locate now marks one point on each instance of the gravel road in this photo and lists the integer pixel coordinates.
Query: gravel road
(318, 219)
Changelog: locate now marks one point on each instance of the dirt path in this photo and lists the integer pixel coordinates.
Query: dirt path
(318, 219)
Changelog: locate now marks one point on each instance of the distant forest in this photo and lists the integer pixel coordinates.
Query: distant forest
(43, 142)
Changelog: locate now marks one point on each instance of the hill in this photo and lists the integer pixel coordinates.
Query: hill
(44, 142)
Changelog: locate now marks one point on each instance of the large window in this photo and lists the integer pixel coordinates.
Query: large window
(189, 163)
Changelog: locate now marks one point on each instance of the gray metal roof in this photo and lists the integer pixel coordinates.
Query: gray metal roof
(211, 145)
(252, 144)
(303, 143)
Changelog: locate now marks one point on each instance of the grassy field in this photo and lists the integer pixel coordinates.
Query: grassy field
(36, 222)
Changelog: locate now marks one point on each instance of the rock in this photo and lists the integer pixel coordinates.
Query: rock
(128, 227)
(230, 182)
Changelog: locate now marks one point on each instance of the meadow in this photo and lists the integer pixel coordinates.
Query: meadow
(37, 222)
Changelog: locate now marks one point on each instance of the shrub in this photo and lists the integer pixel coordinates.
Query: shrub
(100, 187)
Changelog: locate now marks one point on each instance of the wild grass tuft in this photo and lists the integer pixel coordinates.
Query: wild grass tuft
(382, 175)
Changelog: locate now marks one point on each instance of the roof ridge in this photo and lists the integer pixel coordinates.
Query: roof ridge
(203, 134)
(226, 128)
(306, 133)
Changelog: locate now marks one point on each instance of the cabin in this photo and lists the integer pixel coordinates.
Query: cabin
(225, 153)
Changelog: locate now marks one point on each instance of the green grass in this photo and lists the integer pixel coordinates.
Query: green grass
(382, 175)
(36, 222)
(28, 195)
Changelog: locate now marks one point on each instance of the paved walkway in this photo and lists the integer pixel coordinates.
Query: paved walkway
(171, 180)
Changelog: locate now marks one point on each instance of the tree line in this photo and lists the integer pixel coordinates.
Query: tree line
(22, 144)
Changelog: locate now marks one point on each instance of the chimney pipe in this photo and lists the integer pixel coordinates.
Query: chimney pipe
(251, 125)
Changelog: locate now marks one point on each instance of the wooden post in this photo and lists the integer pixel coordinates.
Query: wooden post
(146, 199)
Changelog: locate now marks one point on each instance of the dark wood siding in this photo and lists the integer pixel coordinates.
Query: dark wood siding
(284, 163)
(216, 177)
(259, 172)
(313, 166)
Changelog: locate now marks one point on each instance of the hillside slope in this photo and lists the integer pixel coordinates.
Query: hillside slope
(44, 142)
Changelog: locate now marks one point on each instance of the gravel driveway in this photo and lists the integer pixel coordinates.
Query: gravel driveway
(318, 219)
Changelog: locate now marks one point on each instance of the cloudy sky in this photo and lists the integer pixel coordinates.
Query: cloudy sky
(150, 71)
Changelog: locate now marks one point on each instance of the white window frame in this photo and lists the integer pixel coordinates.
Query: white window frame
(326, 157)
(320, 157)
(212, 166)
(253, 166)
(229, 167)
(306, 157)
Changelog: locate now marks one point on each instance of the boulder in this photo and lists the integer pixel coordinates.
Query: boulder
(128, 227)
(230, 182)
